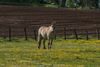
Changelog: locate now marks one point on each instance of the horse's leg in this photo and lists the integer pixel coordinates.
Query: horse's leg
(39, 42)
(44, 43)
(48, 43)
(51, 41)
(48, 38)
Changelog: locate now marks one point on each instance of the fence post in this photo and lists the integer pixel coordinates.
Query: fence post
(35, 34)
(87, 37)
(25, 33)
(10, 35)
(76, 35)
(97, 31)
(54, 33)
(65, 32)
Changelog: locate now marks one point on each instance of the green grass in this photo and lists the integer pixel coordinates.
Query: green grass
(64, 53)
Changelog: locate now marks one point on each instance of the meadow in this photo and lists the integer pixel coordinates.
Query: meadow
(64, 53)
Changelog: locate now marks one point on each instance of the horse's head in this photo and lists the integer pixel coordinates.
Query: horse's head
(53, 23)
(51, 27)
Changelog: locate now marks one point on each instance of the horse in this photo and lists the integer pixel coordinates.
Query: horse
(46, 33)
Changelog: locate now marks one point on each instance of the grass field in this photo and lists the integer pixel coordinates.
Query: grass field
(64, 53)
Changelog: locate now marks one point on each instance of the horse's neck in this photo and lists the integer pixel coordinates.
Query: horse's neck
(50, 28)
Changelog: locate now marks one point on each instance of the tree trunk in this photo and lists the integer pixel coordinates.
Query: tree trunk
(60, 3)
(63, 3)
(99, 3)
(96, 3)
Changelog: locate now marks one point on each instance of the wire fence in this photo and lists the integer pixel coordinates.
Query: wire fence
(31, 32)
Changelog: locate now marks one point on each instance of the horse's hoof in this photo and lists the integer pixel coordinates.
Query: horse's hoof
(48, 47)
(38, 47)
(44, 48)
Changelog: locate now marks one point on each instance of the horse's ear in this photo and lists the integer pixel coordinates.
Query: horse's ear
(52, 25)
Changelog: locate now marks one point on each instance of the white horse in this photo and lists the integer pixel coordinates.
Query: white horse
(45, 33)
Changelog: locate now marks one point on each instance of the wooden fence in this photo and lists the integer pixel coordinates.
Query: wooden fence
(24, 21)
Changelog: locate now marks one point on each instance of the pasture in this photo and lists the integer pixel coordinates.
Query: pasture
(64, 53)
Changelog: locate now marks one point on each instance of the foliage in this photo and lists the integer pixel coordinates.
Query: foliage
(70, 3)
(57, 3)
(65, 53)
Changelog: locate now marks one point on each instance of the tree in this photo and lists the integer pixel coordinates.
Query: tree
(63, 3)
(94, 4)
(60, 3)
(70, 3)
(97, 3)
